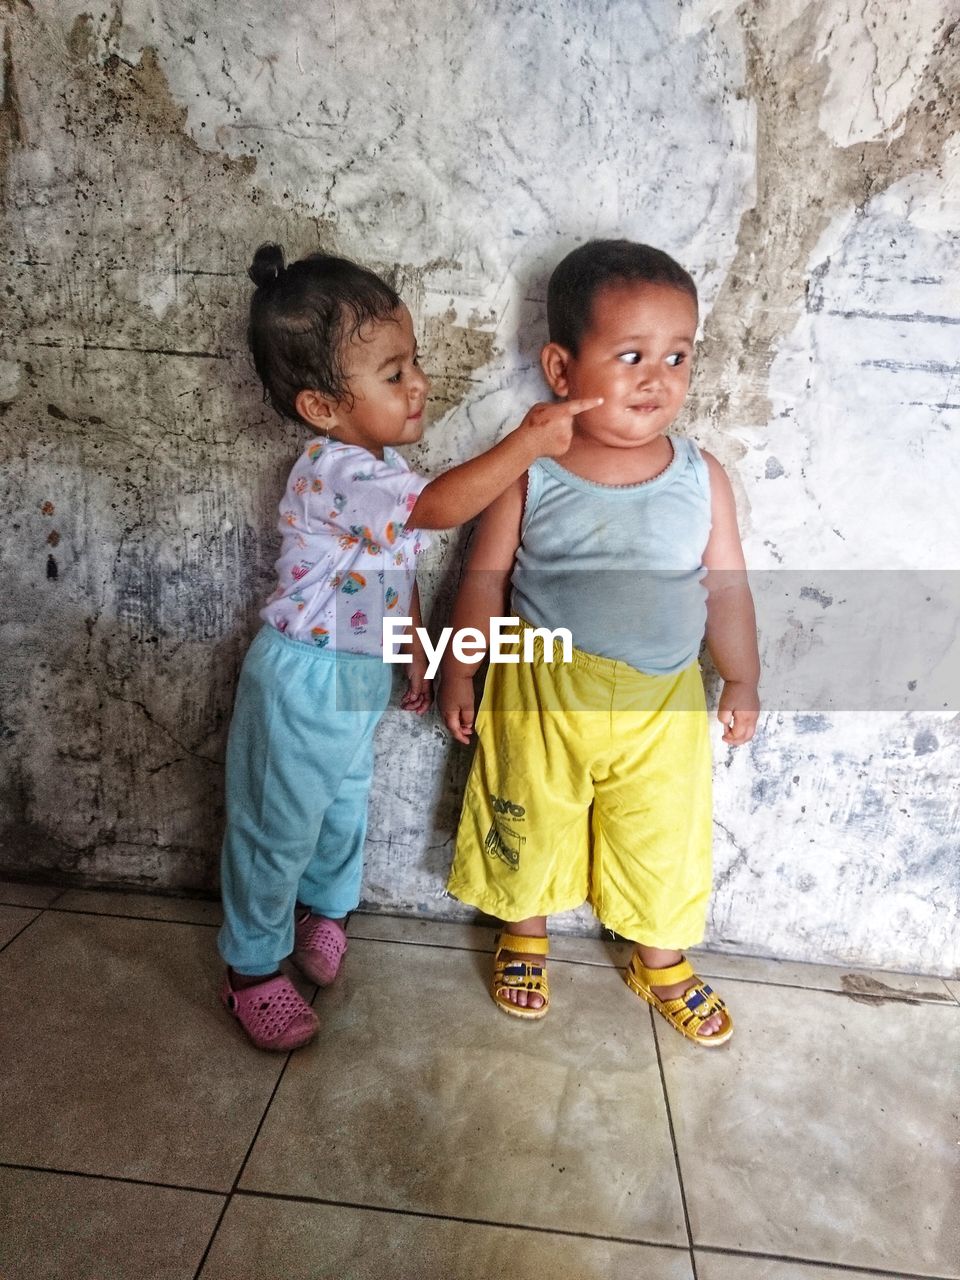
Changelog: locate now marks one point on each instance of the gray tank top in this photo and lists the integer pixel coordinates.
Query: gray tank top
(620, 566)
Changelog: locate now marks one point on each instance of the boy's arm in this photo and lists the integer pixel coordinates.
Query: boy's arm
(482, 596)
(464, 491)
(731, 621)
(419, 693)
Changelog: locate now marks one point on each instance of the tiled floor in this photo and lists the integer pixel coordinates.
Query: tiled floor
(424, 1135)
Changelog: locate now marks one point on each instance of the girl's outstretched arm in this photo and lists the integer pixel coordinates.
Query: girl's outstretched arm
(464, 491)
(731, 621)
(483, 595)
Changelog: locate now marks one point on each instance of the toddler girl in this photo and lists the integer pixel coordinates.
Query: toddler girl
(335, 349)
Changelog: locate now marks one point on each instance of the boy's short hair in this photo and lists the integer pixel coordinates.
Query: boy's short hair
(597, 265)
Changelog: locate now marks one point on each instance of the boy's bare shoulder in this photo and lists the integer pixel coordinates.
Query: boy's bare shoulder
(716, 470)
(498, 533)
(511, 500)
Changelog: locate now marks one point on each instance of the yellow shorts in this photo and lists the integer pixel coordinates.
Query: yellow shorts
(591, 782)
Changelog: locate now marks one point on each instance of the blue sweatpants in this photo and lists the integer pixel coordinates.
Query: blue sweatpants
(299, 769)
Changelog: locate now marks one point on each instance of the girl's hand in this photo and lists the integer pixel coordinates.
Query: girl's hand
(456, 706)
(738, 711)
(550, 426)
(419, 694)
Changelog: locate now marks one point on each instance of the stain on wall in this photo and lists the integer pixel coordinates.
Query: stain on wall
(802, 180)
(147, 148)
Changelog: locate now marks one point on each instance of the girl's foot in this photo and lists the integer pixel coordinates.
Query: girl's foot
(241, 981)
(271, 1011)
(319, 945)
(656, 958)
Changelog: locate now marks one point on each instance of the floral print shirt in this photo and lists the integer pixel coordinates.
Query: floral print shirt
(347, 559)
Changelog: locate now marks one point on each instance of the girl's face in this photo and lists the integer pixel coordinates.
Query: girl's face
(637, 354)
(387, 387)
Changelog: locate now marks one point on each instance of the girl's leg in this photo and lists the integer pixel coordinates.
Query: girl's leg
(330, 882)
(329, 887)
(266, 846)
(290, 745)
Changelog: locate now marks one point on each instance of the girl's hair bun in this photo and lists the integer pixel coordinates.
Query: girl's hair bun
(267, 265)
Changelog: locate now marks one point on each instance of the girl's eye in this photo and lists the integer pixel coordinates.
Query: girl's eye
(678, 357)
(630, 357)
(395, 377)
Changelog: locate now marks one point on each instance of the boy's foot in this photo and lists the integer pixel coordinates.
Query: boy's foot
(271, 1011)
(674, 990)
(519, 984)
(319, 946)
(687, 1003)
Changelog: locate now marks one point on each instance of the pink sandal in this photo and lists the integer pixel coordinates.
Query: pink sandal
(319, 948)
(273, 1013)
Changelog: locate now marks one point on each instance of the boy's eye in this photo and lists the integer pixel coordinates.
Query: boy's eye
(635, 357)
(395, 377)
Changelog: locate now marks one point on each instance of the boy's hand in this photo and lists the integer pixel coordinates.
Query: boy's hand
(456, 706)
(738, 711)
(550, 426)
(419, 694)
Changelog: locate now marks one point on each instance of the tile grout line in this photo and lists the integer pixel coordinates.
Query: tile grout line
(841, 1268)
(111, 1177)
(893, 997)
(126, 915)
(718, 1250)
(24, 928)
(433, 1216)
(243, 1164)
(673, 1142)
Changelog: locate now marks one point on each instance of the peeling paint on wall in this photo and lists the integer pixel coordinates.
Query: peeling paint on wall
(803, 181)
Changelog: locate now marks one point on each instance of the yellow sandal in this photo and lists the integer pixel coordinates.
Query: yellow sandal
(687, 1012)
(520, 975)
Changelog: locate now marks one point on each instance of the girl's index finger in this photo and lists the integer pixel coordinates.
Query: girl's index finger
(581, 406)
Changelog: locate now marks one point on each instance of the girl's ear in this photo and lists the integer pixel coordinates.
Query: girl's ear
(554, 360)
(316, 409)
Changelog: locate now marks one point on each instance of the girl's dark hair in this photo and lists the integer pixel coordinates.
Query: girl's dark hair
(301, 318)
(597, 265)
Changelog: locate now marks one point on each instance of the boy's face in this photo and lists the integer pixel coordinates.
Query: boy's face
(637, 353)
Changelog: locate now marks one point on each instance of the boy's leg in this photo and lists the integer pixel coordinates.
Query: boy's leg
(521, 849)
(652, 826)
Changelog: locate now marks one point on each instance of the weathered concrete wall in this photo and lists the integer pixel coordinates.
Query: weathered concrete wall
(802, 159)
